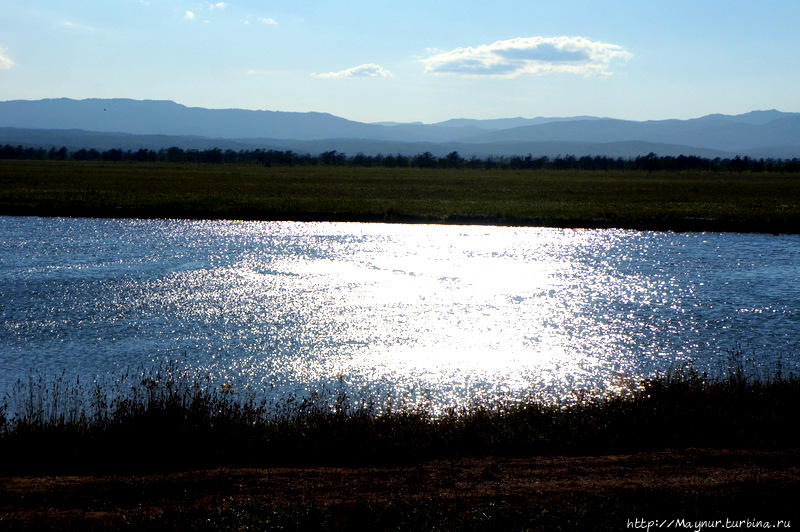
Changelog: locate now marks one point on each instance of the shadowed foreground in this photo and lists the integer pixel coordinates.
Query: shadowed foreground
(541, 493)
(166, 451)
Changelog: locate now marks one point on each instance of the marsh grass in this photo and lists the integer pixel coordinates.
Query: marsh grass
(169, 419)
(635, 199)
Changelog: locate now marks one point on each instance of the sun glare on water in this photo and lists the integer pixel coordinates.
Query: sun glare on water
(440, 315)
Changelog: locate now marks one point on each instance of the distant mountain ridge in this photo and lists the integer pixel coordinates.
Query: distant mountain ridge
(75, 139)
(507, 123)
(713, 133)
(103, 122)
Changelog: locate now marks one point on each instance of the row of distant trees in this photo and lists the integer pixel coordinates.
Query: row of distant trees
(650, 162)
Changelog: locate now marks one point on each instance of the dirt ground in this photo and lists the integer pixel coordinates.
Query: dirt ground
(706, 476)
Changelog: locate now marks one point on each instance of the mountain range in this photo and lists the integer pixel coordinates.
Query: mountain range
(133, 124)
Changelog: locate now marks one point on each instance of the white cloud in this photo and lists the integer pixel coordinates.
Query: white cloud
(5, 61)
(218, 5)
(369, 70)
(529, 55)
(189, 15)
(263, 20)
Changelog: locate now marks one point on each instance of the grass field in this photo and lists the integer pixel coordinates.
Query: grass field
(757, 202)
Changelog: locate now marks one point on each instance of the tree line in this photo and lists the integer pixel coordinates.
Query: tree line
(649, 162)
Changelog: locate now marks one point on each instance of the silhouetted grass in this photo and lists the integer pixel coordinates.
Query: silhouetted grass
(635, 199)
(168, 420)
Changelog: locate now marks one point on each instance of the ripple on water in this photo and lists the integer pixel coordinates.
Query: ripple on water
(447, 313)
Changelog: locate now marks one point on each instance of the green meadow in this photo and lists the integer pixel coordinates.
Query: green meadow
(661, 200)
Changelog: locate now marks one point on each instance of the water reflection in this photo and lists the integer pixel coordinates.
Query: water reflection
(436, 313)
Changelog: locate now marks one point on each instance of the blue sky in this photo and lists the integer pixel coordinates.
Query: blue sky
(413, 60)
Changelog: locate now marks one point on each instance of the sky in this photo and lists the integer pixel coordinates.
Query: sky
(413, 60)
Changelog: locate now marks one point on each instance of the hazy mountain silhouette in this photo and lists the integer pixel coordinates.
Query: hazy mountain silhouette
(753, 117)
(93, 122)
(506, 123)
(99, 140)
(170, 118)
(714, 131)
(75, 139)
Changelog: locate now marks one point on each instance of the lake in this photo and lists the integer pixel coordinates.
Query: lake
(433, 314)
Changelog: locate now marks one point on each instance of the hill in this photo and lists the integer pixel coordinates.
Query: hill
(75, 139)
(126, 123)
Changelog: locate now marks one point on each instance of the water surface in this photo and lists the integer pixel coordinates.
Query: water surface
(438, 314)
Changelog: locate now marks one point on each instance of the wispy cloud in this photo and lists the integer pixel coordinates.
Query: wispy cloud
(529, 55)
(369, 70)
(218, 5)
(5, 61)
(262, 20)
(189, 15)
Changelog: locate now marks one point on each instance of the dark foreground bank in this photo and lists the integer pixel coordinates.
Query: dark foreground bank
(165, 451)
(682, 200)
(615, 492)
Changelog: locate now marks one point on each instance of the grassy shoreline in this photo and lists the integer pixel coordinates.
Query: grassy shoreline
(679, 201)
(175, 455)
(53, 425)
